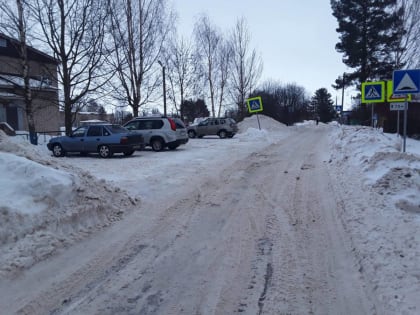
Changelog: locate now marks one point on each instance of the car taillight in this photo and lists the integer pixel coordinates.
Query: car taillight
(173, 125)
(124, 140)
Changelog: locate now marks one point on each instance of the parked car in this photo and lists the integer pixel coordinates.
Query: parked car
(104, 139)
(222, 127)
(181, 131)
(160, 131)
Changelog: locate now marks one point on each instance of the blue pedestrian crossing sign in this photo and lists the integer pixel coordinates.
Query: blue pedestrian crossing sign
(254, 104)
(373, 92)
(406, 81)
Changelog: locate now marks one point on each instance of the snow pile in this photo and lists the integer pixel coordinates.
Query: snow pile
(29, 175)
(266, 123)
(382, 217)
(386, 169)
(43, 208)
(19, 145)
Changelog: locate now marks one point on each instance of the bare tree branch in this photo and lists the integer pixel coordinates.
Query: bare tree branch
(74, 31)
(247, 65)
(139, 30)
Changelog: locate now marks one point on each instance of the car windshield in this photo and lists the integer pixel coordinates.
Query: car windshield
(117, 129)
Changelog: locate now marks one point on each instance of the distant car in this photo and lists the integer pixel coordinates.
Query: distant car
(222, 127)
(160, 131)
(104, 139)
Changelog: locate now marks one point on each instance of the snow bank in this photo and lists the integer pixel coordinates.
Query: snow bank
(382, 217)
(379, 156)
(28, 177)
(44, 208)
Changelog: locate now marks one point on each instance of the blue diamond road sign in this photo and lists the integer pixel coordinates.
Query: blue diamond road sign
(406, 81)
(373, 92)
(254, 104)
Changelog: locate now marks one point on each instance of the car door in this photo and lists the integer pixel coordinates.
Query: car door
(93, 138)
(203, 128)
(214, 127)
(75, 143)
(146, 126)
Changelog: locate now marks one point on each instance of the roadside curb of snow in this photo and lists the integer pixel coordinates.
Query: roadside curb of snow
(26, 239)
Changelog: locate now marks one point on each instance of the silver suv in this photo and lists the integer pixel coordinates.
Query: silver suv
(160, 131)
(223, 127)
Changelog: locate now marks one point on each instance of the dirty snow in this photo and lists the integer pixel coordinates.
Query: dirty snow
(49, 204)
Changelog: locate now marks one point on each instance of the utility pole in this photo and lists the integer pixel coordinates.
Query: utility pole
(342, 95)
(164, 87)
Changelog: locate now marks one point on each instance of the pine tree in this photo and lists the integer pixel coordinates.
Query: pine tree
(323, 105)
(193, 109)
(370, 33)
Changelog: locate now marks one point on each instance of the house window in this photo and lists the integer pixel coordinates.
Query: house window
(3, 42)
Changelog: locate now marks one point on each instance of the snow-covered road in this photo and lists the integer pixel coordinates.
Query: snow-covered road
(260, 237)
(275, 222)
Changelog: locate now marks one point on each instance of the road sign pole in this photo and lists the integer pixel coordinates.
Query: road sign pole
(259, 126)
(372, 114)
(405, 122)
(398, 123)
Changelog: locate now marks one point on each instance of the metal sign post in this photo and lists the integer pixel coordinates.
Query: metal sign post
(398, 123)
(405, 122)
(259, 126)
(372, 115)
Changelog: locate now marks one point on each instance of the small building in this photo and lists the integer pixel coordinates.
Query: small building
(43, 82)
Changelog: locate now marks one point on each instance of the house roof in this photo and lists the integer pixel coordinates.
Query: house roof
(11, 50)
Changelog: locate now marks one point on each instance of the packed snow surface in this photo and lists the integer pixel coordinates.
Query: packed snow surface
(355, 185)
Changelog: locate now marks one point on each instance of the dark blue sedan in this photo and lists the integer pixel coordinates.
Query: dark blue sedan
(104, 139)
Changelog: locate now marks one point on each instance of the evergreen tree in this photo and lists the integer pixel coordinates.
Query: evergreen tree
(370, 36)
(323, 105)
(193, 109)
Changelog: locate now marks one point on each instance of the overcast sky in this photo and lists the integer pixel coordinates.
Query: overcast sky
(296, 38)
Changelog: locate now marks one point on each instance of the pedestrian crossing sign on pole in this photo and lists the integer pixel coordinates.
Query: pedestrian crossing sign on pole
(254, 104)
(373, 92)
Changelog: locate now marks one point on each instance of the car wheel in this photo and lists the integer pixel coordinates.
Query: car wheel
(157, 145)
(104, 151)
(58, 150)
(191, 134)
(222, 134)
(128, 153)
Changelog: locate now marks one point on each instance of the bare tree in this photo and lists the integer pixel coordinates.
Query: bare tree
(287, 103)
(409, 50)
(247, 65)
(139, 30)
(208, 39)
(224, 55)
(74, 31)
(181, 71)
